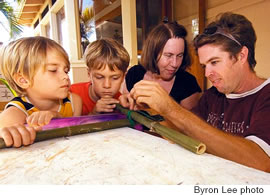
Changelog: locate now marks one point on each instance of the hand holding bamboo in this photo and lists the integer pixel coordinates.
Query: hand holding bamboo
(75, 130)
(173, 135)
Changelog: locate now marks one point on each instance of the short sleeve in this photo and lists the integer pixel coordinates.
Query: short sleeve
(134, 75)
(185, 85)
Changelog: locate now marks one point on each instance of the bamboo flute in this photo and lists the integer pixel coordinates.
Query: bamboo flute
(173, 135)
(76, 130)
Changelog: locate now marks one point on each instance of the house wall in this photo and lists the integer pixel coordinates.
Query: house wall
(183, 11)
(257, 11)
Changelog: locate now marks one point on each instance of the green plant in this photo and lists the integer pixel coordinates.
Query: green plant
(8, 12)
(7, 85)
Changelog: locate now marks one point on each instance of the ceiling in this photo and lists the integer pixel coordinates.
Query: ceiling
(28, 10)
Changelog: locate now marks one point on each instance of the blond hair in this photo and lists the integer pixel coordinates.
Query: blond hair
(106, 52)
(25, 56)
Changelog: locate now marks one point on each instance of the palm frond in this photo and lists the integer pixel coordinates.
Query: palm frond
(7, 85)
(8, 12)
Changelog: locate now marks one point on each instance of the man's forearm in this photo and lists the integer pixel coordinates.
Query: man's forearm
(219, 143)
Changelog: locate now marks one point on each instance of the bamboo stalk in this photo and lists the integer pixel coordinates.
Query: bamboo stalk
(173, 135)
(7, 85)
(75, 130)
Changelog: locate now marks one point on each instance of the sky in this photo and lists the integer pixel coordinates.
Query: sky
(27, 31)
(4, 33)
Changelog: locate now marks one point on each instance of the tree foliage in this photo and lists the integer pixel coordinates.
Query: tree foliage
(8, 11)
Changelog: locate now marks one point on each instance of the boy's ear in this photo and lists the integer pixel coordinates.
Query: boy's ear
(89, 75)
(88, 72)
(21, 81)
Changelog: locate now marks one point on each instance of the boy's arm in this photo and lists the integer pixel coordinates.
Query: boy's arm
(12, 115)
(13, 130)
(77, 104)
(41, 118)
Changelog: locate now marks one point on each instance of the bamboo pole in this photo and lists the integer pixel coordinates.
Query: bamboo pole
(75, 130)
(7, 85)
(173, 135)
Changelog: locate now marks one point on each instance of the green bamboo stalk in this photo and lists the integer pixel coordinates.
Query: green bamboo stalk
(7, 85)
(75, 130)
(173, 135)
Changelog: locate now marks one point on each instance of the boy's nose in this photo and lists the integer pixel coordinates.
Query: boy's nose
(107, 83)
(65, 76)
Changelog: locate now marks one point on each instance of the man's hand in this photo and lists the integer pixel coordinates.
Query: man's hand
(151, 94)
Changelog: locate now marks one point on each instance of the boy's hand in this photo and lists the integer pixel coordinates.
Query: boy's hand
(127, 101)
(105, 104)
(41, 118)
(18, 135)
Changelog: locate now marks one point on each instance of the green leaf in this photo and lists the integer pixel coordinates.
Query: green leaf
(7, 85)
(8, 12)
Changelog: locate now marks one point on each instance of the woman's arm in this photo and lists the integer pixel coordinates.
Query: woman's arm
(191, 101)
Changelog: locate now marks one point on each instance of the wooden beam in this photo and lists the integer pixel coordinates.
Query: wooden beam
(128, 10)
(116, 12)
(31, 9)
(25, 21)
(144, 19)
(34, 2)
(202, 15)
(166, 9)
(28, 15)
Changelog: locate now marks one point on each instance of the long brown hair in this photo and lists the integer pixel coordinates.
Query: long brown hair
(156, 41)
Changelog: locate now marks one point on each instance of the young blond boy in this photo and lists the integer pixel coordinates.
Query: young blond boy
(107, 61)
(37, 69)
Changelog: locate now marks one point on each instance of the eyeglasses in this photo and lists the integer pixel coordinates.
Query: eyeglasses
(217, 30)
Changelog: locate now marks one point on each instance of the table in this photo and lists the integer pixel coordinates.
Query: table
(119, 156)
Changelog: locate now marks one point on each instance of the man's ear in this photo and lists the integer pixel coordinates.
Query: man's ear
(21, 81)
(243, 55)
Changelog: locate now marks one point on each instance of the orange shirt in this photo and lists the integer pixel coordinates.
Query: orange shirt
(82, 89)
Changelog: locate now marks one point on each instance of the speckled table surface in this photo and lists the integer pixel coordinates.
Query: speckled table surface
(119, 156)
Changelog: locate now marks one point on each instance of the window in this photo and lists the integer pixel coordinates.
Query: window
(149, 14)
(61, 23)
(47, 29)
(99, 19)
(36, 23)
(195, 27)
(87, 23)
(108, 19)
